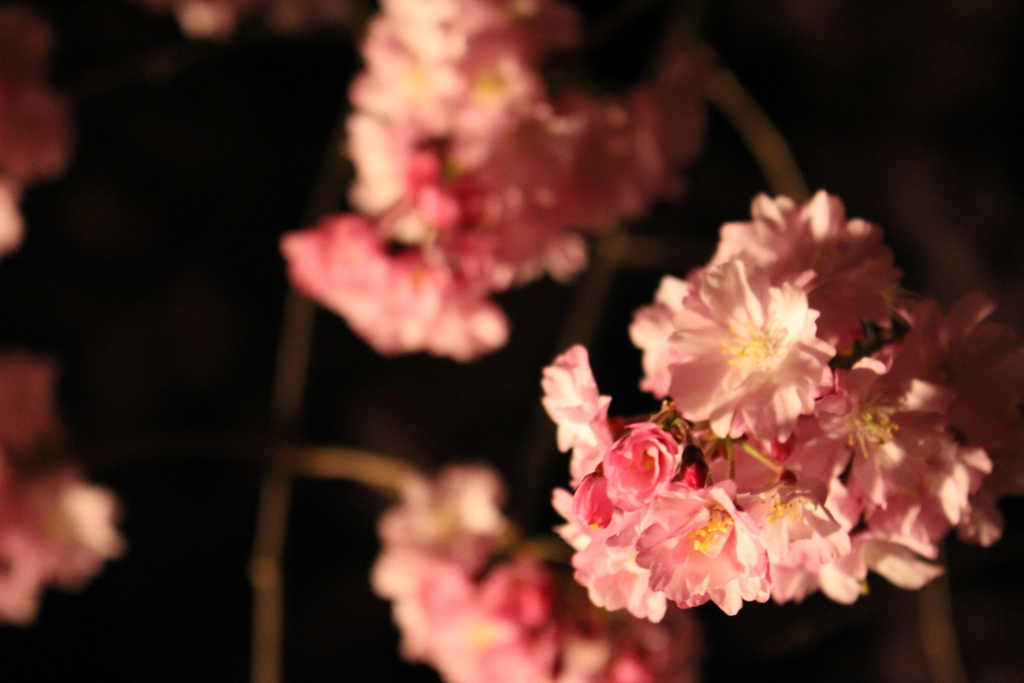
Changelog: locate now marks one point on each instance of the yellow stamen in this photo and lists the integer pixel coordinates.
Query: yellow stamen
(754, 348)
(715, 534)
(488, 88)
(794, 510)
(872, 426)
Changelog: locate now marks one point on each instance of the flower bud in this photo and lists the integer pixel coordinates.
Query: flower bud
(591, 505)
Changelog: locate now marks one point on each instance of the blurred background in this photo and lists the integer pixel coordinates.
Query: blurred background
(151, 271)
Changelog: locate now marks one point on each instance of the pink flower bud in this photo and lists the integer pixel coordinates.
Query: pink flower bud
(640, 464)
(591, 505)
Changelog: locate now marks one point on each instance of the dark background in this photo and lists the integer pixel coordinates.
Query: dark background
(151, 271)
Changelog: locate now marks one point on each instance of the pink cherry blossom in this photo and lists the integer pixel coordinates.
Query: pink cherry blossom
(605, 561)
(797, 528)
(640, 464)
(465, 161)
(35, 127)
(573, 402)
(897, 430)
(399, 304)
(456, 516)
(700, 547)
(54, 529)
(514, 619)
(749, 359)
(651, 331)
(608, 566)
(978, 359)
(844, 266)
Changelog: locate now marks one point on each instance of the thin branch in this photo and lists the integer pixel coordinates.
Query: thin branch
(265, 573)
(764, 141)
(387, 475)
(938, 634)
(287, 397)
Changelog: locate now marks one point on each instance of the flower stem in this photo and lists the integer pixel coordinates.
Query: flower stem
(286, 402)
(937, 632)
(762, 458)
(764, 141)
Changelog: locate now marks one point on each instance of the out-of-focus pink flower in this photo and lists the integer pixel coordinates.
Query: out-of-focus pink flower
(844, 266)
(515, 620)
(218, 18)
(463, 158)
(398, 304)
(980, 361)
(34, 124)
(54, 529)
(35, 127)
(12, 228)
(748, 357)
(456, 516)
(845, 579)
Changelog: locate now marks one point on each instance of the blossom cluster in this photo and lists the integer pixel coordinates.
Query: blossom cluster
(54, 528)
(218, 18)
(34, 120)
(471, 178)
(817, 423)
(469, 605)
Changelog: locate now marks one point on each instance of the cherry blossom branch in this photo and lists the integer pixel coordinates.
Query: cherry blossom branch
(287, 396)
(375, 471)
(764, 141)
(937, 633)
(379, 472)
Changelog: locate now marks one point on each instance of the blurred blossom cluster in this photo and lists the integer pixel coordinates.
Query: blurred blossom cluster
(479, 604)
(55, 529)
(219, 18)
(35, 126)
(817, 422)
(472, 177)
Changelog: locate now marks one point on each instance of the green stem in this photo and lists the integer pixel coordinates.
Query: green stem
(762, 458)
